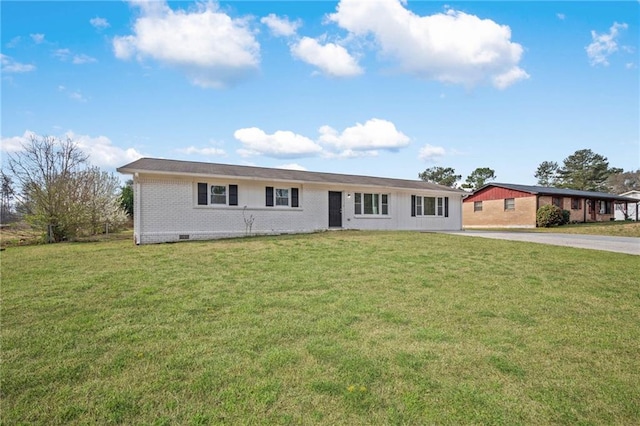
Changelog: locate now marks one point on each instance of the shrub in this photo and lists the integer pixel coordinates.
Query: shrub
(549, 215)
(566, 217)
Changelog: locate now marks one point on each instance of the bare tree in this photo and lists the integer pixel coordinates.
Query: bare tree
(46, 171)
(7, 194)
(99, 201)
(624, 181)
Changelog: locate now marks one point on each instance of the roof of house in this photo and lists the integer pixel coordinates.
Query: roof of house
(191, 168)
(544, 190)
(634, 193)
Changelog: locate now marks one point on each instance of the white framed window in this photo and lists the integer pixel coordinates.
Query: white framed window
(218, 194)
(429, 206)
(477, 206)
(357, 203)
(371, 204)
(213, 194)
(282, 197)
(509, 203)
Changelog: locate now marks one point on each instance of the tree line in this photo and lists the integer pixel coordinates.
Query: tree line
(59, 192)
(583, 170)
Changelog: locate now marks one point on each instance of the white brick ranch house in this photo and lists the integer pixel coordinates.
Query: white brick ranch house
(184, 200)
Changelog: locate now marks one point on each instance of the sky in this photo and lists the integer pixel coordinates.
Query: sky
(379, 87)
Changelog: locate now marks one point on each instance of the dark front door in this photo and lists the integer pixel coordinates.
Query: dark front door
(335, 209)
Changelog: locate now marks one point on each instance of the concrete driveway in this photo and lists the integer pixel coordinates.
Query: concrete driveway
(628, 245)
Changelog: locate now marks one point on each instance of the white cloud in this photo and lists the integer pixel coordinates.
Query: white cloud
(502, 81)
(561, 16)
(291, 166)
(451, 47)
(14, 42)
(65, 55)
(102, 152)
(281, 144)
(83, 59)
(100, 149)
(207, 151)
(350, 153)
(9, 65)
(15, 143)
(75, 95)
(37, 38)
(281, 26)
(363, 139)
(62, 54)
(603, 45)
(332, 59)
(213, 49)
(99, 23)
(431, 153)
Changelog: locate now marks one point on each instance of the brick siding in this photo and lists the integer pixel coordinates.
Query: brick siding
(167, 210)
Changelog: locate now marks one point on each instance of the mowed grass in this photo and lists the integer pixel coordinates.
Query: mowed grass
(330, 328)
(614, 229)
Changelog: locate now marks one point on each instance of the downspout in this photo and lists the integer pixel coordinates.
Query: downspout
(584, 219)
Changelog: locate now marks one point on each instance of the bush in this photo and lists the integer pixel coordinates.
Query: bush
(566, 217)
(548, 216)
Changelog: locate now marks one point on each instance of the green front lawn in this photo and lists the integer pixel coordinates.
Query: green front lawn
(330, 328)
(615, 229)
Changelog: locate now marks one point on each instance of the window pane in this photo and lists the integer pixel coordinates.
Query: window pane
(429, 206)
(368, 203)
(477, 206)
(282, 197)
(385, 204)
(575, 203)
(376, 203)
(509, 204)
(358, 203)
(218, 194)
(418, 206)
(440, 206)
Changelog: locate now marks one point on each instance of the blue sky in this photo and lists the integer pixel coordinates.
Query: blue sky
(378, 87)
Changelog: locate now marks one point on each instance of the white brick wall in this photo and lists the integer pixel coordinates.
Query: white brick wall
(167, 209)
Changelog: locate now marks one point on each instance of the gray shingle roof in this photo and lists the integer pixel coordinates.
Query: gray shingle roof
(544, 190)
(191, 168)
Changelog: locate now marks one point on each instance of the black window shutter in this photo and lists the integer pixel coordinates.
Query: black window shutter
(233, 195)
(413, 205)
(202, 194)
(446, 206)
(294, 197)
(269, 196)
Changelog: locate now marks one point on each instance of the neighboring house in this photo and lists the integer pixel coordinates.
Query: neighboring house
(628, 211)
(183, 200)
(502, 205)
